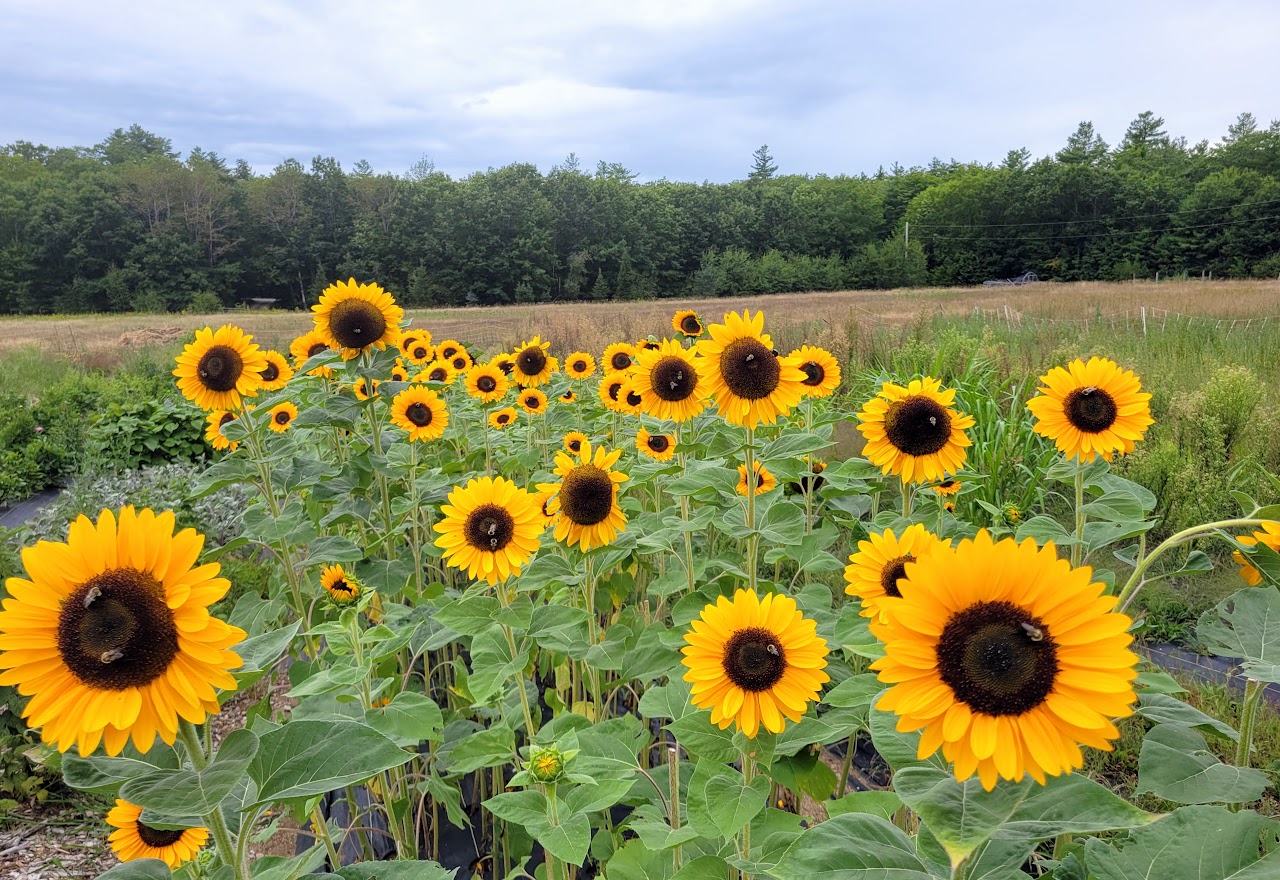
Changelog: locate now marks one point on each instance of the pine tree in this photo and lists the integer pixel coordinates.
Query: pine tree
(762, 166)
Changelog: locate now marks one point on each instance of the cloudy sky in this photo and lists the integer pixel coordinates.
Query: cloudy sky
(683, 89)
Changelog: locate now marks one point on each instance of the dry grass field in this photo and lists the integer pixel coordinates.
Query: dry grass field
(591, 326)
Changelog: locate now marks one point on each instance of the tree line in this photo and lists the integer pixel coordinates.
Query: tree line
(129, 224)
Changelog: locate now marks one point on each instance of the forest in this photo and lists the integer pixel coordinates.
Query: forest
(131, 225)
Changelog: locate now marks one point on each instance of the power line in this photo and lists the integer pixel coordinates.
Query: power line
(1120, 232)
(1093, 219)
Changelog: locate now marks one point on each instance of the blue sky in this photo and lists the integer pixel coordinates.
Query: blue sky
(681, 89)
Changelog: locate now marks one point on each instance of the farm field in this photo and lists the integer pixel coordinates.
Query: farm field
(561, 602)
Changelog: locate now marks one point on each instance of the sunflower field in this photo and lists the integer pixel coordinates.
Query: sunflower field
(611, 614)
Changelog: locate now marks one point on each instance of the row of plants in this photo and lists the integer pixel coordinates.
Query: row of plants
(606, 610)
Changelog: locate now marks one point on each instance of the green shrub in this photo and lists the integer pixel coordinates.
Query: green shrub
(144, 432)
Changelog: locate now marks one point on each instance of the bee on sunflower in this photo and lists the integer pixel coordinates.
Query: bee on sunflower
(277, 373)
(618, 357)
(764, 480)
(750, 382)
(1006, 658)
(220, 368)
(491, 528)
(659, 447)
(110, 633)
(586, 498)
(342, 587)
(573, 441)
(503, 418)
(282, 416)
(487, 384)
(874, 571)
(913, 432)
(214, 422)
(531, 365)
(356, 317)
(579, 365)
(1268, 535)
(421, 412)
(670, 383)
(133, 839)
(687, 323)
(533, 401)
(1091, 409)
(821, 370)
(754, 662)
(307, 346)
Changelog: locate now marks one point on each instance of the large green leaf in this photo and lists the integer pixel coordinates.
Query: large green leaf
(1164, 709)
(139, 869)
(485, 748)
(397, 870)
(188, 793)
(306, 758)
(1175, 764)
(98, 773)
(1193, 843)
(720, 803)
(855, 846)
(1246, 625)
(408, 719)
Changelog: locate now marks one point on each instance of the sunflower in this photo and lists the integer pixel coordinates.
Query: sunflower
(277, 373)
(486, 383)
(448, 348)
(611, 390)
(491, 528)
(437, 371)
(754, 661)
(669, 382)
(1091, 409)
(573, 441)
(629, 400)
(618, 357)
(764, 480)
(1012, 514)
(659, 447)
(282, 416)
(947, 487)
(134, 840)
(751, 383)
(586, 498)
(647, 344)
(307, 346)
(1270, 536)
(505, 363)
(533, 401)
(686, 321)
(579, 365)
(914, 432)
(399, 373)
(821, 371)
(421, 412)
(503, 418)
(460, 361)
(568, 396)
(874, 571)
(531, 365)
(111, 637)
(1006, 658)
(949, 506)
(213, 430)
(353, 317)
(366, 389)
(419, 352)
(811, 481)
(341, 587)
(220, 367)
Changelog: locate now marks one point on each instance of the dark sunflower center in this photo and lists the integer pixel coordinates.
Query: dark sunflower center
(448, 351)
(487, 384)
(341, 586)
(1091, 410)
(356, 323)
(271, 373)
(503, 418)
(750, 369)
(506, 366)
(418, 413)
(283, 417)
(918, 425)
(673, 379)
(634, 399)
(813, 373)
(419, 352)
(689, 324)
(658, 442)
(754, 659)
(489, 527)
(650, 345)
(226, 417)
(220, 368)
(531, 402)
(158, 838)
(532, 360)
(894, 569)
(620, 360)
(568, 395)
(459, 363)
(575, 445)
(439, 374)
(115, 631)
(997, 658)
(317, 349)
(586, 495)
(614, 388)
(579, 366)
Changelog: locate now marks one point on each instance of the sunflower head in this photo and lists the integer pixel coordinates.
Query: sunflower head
(503, 418)
(647, 344)
(277, 373)
(354, 317)
(307, 346)
(586, 498)
(751, 383)
(134, 840)
(533, 401)
(630, 402)
(449, 348)
(220, 368)
(399, 372)
(1268, 535)
(579, 365)
(1091, 409)
(421, 412)
(547, 765)
(810, 481)
(342, 587)
(914, 432)
(659, 447)
(670, 382)
(949, 486)
(420, 351)
(487, 384)
(214, 423)
(687, 323)
(949, 506)
(821, 370)
(754, 662)
(568, 396)
(573, 441)
(611, 390)
(1011, 514)
(366, 389)
(873, 573)
(1006, 658)
(282, 416)
(504, 362)
(618, 358)
(461, 362)
(491, 528)
(531, 364)
(437, 371)
(763, 480)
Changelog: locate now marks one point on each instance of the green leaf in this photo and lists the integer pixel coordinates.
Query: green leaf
(878, 803)
(103, 775)
(854, 692)
(1175, 764)
(397, 870)
(703, 868)
(702, 738)
(567, 841)
(719, 803)
(1246, 625)
(260, 654)
(408, 719)
(139, 869)
(1164, 709)
(1193, 843)
(1044, 529)
(605, 793)
(855, 846)
(470, 615)
(527, 808)
(649, 823)
(485, 748)
(188, 793)
(302, 759)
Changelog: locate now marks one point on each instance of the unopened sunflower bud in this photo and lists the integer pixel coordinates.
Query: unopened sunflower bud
(546, 765)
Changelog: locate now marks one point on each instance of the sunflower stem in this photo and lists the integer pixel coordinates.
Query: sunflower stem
(753, 540)
(748, 772)
(1135, 582)
(529, 729)
(1253, 691)
(906, 500)
(216, 822)
(848, 764)
(1078, 546)
(321, 826)
(673, 783)
(488, 445)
